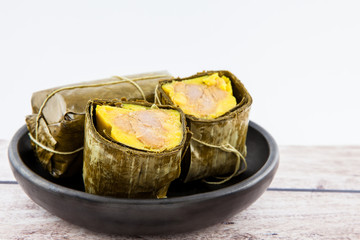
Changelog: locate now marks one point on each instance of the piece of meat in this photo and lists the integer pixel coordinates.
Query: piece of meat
(217, 94)
(194, 91)
(123, 122)
(150, 137)
(148, 128)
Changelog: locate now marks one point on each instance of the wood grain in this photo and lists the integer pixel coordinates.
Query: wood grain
(5, 171)
(276, 215)
(318, 167)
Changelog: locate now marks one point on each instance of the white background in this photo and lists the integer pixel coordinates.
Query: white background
(300, 60)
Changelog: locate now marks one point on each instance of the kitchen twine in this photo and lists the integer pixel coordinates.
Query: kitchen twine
(156, 97)
(40, 115)
(227, 147)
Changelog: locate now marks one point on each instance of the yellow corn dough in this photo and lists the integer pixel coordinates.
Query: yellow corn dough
(140, 127)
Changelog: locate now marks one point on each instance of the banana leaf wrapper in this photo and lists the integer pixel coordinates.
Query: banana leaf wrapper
(114, 169)
(61, 126)
(231, 128)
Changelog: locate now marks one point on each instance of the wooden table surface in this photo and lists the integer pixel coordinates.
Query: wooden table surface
(315, 195)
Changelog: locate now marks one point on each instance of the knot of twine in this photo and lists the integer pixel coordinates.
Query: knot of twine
(40, 113)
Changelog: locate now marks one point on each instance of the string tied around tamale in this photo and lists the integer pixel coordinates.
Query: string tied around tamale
(52, 150)
(40, 112)
(156, 96)
(227, 147)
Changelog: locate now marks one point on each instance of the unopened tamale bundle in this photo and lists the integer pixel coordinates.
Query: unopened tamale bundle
(132, 149)
(217, 107)
(56, 125)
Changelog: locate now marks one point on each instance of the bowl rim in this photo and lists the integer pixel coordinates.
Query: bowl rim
(18, 165)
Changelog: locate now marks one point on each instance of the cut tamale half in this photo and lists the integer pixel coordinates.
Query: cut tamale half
(57, 122)
(132, 149)
(140, 127)
(205, 97)
(219, 134)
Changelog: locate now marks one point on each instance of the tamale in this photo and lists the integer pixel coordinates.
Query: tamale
(113, 168)
(62, 114)
(219, 137)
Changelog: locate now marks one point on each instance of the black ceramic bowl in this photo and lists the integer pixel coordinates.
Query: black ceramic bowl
(188, 207)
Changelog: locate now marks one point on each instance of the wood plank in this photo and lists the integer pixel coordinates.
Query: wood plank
(5, 170)
(276, 215)
(318, 167)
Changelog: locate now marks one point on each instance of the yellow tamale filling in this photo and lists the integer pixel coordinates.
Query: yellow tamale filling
(206, 97)
(140, 127)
